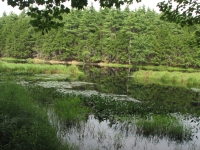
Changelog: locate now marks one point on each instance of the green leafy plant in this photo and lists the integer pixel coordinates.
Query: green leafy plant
(161, 126)
(23, 123)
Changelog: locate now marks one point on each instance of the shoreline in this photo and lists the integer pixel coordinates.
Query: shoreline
(100, 64)
(73, 62)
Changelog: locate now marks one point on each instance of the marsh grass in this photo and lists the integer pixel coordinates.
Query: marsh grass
(30, 69)
(167, 68)
(163, 126)
(36, 61)
(169, 78)
(23, 123)
(67, 108)
(159, 124)
(43, 95)
(107, 107)
(70, 109)
(114, 65)
(13, 60)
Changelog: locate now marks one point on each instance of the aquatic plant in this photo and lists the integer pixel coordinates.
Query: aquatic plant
(23, 123)
(70, 109)
(163, 126)
(105, 107)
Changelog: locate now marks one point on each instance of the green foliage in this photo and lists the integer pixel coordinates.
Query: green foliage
(160, 126)
(185, 13)
(157, 101)
(165, 77)
(70, 109)
(38, 69)
(107, 107)
(109, 35)
(23, 124)
(51, 16)
(13, 60)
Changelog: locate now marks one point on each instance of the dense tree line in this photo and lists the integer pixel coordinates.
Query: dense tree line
(107, 35)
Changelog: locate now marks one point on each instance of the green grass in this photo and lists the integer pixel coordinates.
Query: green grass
(23, 123)
(167, 68)
(115, 65)
(13, 60)
(20, 69)
(163, 126)
(70, 109)
(67, 107)
(170, 78)
(36, 61)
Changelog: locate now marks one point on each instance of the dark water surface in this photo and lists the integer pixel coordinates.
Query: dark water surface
(182, 103)
(120, 81)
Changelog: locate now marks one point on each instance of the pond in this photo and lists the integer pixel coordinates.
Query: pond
(150, 116)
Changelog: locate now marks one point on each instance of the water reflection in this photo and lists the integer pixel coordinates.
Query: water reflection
(101, 132)
(118, 81)
(100, 135)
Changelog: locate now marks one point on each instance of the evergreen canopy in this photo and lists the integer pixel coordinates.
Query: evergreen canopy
(186, 11)
(137, 37)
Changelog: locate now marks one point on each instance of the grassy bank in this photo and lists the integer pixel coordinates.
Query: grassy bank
(29, 117)
(167, 68)
(13, 60)
(20, 68)
(103, 64)
(169, 78)
(23, 123)
(42, 61)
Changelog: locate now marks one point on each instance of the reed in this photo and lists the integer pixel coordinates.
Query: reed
(13, 60)
(164, 126)
(171, 78)
(167, 68)
(18, 69)
(70, 109)
(23, 123)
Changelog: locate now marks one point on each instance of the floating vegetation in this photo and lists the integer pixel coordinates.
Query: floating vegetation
(61, 84)
(83, 116)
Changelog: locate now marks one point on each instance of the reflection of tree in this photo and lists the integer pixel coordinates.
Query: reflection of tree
(117, 81)
(109, 80)
(166, 96)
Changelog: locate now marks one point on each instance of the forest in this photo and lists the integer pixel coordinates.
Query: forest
(113, 35)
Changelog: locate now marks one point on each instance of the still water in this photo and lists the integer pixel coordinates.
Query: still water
(100, 135)
(95, 133)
